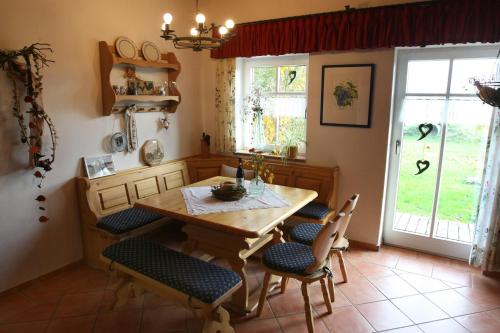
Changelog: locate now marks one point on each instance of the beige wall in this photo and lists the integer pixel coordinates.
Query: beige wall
(360, 153)
(72, 98)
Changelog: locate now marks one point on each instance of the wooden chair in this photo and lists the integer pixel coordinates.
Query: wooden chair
(305, 233)
(305, 263)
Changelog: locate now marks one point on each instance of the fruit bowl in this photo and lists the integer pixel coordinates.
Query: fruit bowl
(228, 193)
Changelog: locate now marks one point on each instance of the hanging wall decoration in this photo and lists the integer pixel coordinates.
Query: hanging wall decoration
(24, 70)
(425, 129)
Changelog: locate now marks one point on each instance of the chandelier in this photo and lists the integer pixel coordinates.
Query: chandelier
(201, 36)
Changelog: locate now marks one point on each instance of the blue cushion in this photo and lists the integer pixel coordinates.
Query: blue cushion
(192, 276)
(127, 220)
(305, 233)
(313, 210)
(288, 257)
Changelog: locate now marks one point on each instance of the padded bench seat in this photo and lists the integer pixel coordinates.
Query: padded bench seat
(314, 210)
(189, 275)
(127, 220)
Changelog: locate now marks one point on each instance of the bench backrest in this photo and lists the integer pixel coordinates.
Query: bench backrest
(320, 179)
(107, 195)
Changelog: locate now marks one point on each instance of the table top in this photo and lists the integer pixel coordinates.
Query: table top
(247, 223)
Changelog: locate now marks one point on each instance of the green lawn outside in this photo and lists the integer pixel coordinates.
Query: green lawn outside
(460, 181)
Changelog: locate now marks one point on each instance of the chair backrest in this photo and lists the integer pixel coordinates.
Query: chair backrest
(331, 232)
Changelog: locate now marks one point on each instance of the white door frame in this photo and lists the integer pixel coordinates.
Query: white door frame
(423, 243)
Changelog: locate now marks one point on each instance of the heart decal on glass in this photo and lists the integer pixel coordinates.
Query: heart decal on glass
(422, 165)
(425, 129)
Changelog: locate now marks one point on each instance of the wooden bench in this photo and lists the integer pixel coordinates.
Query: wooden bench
(323, 180)
(199, 286)
(106, 205)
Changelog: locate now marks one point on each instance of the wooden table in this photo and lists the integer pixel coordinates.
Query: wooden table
(234, 236)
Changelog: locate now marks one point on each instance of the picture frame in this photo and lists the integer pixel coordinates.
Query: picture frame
(346, 95)
(145, 87)
(99, 166)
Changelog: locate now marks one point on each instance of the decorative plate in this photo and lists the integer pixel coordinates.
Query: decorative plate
(118, 142)
(151, 52)
(126, 48)
(153, 152)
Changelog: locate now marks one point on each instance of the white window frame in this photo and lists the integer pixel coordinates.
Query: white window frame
(245, 79)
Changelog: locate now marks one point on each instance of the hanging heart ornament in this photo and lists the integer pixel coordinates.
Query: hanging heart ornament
(425, 129)
(422, 165)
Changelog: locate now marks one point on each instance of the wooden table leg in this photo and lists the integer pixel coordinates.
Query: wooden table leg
(240, 296)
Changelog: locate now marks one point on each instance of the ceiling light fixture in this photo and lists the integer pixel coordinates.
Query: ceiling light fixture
(200, 38)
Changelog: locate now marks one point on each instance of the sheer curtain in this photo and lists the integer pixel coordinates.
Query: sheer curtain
(486, 244)
(225, 139)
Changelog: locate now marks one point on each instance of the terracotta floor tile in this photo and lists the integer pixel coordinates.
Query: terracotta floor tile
(72, 325)
(383, 315)
(346, 319)
(494, 314)
(381, 258)
(419, 309)
(340, 299)
(451, 274)
(415, 266)
(361, 291)
(261, 326)
(485, 298)
(297, 324)
(424, 284)
(33, 327)
(118, 322)
(13, 304)
(394, 286)
(94, 280)
(409, 329)
(164, 319)
(49, 290)
(290, 302)
(453, 303)
(441, 326)
(79, 304)
(132, 303)
(37, 312)
(479, 323)
(484, 282)
(371, 270)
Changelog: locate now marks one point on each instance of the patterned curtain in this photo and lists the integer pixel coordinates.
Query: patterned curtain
(486, 245)
(225, 139)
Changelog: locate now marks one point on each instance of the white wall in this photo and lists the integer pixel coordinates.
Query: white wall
(72, 98)
(360, 153)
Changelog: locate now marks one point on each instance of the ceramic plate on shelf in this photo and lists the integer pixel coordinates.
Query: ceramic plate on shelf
(153, 152)
(151, 52)
(126, 48)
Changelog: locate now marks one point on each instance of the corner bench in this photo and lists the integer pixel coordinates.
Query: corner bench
(198, 285)
(106, 205)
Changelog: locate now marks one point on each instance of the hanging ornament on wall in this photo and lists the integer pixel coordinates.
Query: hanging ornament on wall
(422, 166)
(425, 129)
(131, 127)
(291, 77)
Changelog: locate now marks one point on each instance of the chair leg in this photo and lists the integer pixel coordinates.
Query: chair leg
(326, 296)
(342, 265)
(307, 307)
(331, 288)
(263, 293)
(284, 282)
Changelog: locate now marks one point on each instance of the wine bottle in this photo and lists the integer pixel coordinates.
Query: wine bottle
(239, 173)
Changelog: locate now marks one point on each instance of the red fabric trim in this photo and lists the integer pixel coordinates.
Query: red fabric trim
(416, 24)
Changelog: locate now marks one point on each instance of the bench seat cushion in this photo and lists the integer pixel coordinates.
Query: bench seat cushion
(288, 257)
(127, 220)
(192, 276)
(313, 210)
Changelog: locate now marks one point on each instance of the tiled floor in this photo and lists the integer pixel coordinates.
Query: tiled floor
(392, 290)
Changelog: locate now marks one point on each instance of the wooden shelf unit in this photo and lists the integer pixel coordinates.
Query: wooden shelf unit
(112, 103)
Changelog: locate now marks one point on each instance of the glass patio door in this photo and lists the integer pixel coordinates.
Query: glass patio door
(438, 146)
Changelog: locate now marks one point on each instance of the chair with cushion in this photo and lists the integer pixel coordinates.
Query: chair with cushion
(198, 285)
(306, 233)
(306, 263)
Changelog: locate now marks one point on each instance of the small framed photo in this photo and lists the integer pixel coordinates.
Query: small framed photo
(145, 88)
(346, 95)
(99, 166)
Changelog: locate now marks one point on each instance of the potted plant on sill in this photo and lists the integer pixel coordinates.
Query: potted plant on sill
(292, 138)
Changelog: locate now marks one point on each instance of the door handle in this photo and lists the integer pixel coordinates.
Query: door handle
(398, 145)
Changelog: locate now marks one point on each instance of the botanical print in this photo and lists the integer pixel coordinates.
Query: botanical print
(345, 94)
(225, 139)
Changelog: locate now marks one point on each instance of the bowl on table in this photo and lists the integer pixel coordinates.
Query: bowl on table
(228, 191)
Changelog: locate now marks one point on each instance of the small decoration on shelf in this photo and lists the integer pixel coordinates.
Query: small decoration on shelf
(205, 145)
(425, 129)
(153, 152)
(422, 166)
(145, 87)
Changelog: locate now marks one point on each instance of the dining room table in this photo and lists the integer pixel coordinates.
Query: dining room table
(232, 235)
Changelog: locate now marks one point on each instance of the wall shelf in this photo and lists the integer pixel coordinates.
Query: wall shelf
(112, 103)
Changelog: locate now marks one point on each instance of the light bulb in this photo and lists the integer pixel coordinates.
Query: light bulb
(200, 18)
(167, 18)
(194, 32)
(229, 24)
(223, 30)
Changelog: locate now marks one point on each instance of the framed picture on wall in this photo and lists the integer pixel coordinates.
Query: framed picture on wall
(99, 166)
(346, 95)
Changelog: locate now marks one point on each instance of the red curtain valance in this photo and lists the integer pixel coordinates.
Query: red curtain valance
(415, 24)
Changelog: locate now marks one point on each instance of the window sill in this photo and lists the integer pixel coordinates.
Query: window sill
(268, 156)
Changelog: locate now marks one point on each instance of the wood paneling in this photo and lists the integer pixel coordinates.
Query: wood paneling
(146, 187)
(113, 197)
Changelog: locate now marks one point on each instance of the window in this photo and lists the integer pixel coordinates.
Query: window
(282, 82)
